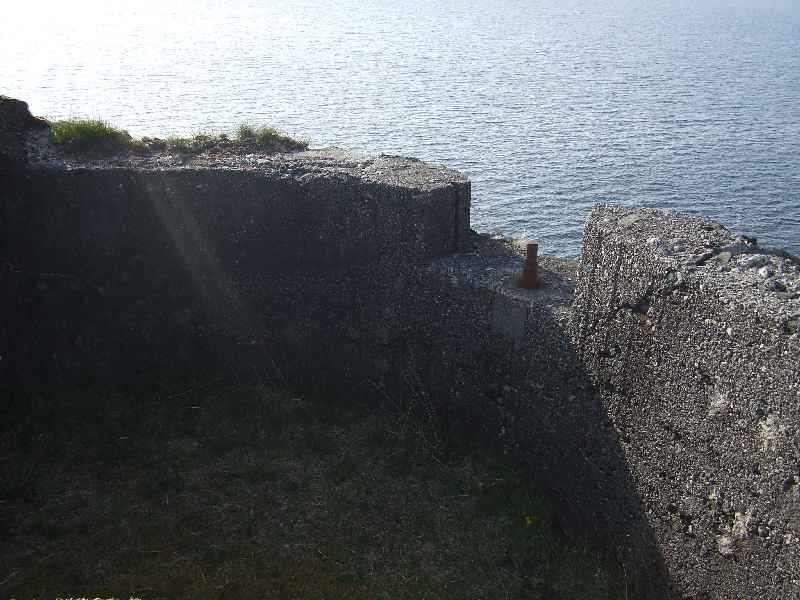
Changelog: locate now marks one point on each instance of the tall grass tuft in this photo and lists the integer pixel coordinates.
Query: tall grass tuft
(267, 138)
(89, 136)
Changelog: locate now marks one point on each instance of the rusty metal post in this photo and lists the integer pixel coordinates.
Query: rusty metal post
(529, 278)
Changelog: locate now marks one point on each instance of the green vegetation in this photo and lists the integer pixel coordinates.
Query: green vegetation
(267, 138)
(89, 136)
(222, 491)
(264, 139)
(97, 138)
(180, 145)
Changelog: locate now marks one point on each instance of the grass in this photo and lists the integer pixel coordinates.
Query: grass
(180, 145)
(90, 136)
(267, 138)
(97, 138)
(218, 491)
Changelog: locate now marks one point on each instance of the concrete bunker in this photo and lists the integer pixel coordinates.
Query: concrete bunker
(652, 388)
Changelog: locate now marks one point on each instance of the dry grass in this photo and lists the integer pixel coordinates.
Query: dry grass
(255, 492)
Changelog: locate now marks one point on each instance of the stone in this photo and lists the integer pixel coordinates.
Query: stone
(629, 220)
(701, 258)
(775, 285)
(15, 121)
(736, 248)
(754, 261)
(792, 326)
(724, 257)
(726, 545)
(15, 117)
(766, 272)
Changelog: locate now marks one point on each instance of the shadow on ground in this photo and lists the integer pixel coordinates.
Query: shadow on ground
(166, 492)
(525, 390)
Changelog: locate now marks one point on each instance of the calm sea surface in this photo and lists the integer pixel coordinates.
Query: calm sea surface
(548, 105)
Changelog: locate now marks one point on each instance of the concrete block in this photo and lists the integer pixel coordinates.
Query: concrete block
(698, 372)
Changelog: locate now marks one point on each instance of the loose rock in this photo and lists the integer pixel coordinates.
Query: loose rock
(754, 261)
(726, 545)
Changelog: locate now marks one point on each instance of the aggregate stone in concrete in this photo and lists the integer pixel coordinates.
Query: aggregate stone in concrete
(692, 343)
(16, 126)
(496, 362)
(660, 411)
(129, 264)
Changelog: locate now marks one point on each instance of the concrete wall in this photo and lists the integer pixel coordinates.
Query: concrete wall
(691, 337)
(112, 270)
(659, 411)
(496, 362)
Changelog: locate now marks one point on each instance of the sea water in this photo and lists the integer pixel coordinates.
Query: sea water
(548, 105)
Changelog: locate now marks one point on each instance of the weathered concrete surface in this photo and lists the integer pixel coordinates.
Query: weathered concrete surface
(494, 362)
(320, 268)
(659, 411)
(691, 336)
(16, 126)
(113, 268)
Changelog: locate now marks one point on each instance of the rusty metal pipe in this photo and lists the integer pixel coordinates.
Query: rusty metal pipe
(529, 278)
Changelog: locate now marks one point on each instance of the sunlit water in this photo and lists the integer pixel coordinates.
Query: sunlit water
(548, 105)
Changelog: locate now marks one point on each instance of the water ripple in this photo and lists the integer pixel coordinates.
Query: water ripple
(548, 106)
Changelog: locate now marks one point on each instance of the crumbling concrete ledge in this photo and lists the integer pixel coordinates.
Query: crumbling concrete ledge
(127, 266)
(690, 334)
